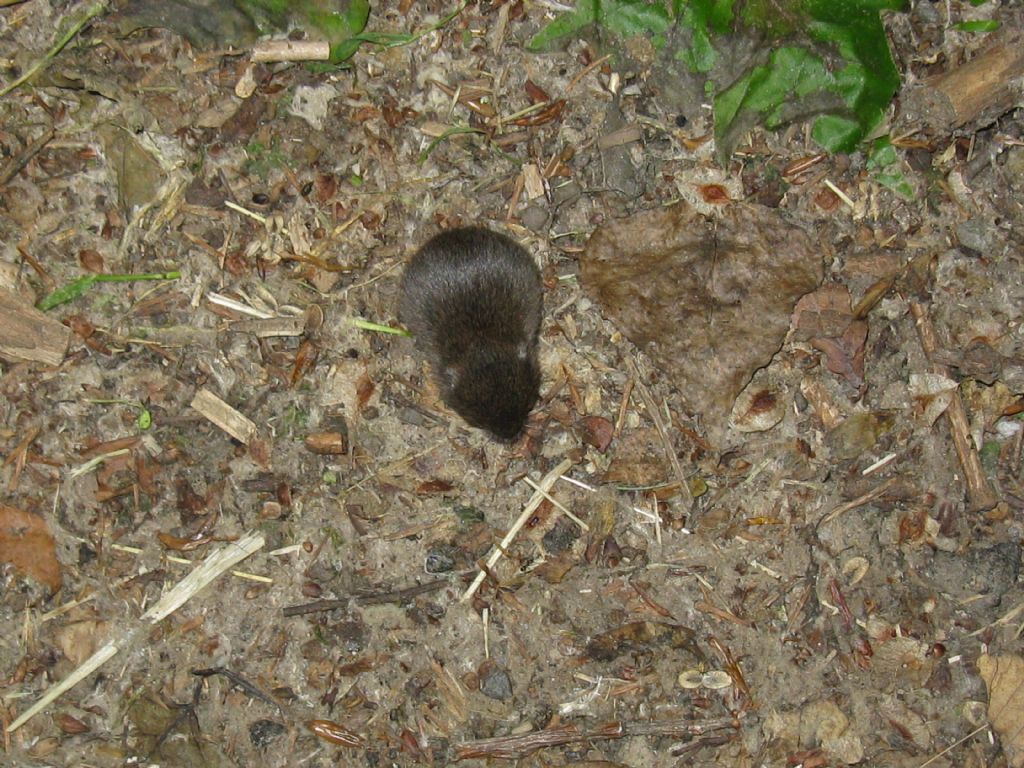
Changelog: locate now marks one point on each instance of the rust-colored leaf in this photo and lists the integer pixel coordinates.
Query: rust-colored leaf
(26, 543)
(325, 186)
(826, 312)
(912, 526)
(80, 326)
(597, 431)
(179, 544)
(433, 487)
(305, 359)
(365, 388)
(190, 504)
(826, 318)
(69, 724)
(535, 92)
(826, 199)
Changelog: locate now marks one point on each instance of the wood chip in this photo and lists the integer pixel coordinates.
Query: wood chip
(224, 416)
(28, 335)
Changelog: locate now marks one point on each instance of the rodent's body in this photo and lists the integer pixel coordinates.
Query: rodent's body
(473, 300)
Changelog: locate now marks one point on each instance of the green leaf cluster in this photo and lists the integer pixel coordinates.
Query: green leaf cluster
(827, 59)
(886, 168)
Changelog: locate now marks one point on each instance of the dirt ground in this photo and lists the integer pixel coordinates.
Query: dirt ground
(844, 589)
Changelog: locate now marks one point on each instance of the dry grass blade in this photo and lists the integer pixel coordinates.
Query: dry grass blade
(209, 570)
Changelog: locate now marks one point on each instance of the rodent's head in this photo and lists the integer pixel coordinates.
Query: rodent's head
(495, 390)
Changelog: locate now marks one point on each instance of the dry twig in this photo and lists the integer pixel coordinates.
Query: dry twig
(518, 747)
(980, 495)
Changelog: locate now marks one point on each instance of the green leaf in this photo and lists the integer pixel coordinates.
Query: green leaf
(703, 18)
(69, 292)
(896, 182)
(564, 26)
(884, 162)
(825, 58)
(836, 134)
(987, 25)
(346, 49)
(453, 131)
(882, 154)
(632, 17)
(624, 18)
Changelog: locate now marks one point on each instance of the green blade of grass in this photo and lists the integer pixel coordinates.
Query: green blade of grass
(73, 290)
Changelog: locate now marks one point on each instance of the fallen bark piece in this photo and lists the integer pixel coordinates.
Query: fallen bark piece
(224, 416)
(709, 299)
(28, 335)
(978, 91)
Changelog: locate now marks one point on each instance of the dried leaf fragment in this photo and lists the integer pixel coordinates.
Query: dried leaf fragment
(26, 543)
(1004, 677)
(597, 431)
(757, 409)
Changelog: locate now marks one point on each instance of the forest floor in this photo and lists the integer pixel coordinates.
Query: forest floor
(843, 587)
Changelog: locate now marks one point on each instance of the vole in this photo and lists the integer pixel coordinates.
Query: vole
(473, 300)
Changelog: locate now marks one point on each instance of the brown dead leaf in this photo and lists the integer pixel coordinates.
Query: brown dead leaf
(638, 460)
(80, 639)
(715, 194)
(826, 319)
(26, 543)
(434, 487)
(844, 355)
(597, 431)
(546, 115)
(827, 312)
(365, 388)
(1004, 677)
(91, 260)
(709, 299)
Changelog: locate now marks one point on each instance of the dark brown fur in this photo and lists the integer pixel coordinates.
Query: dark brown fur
(473, 301)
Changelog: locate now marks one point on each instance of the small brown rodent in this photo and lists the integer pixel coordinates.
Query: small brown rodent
(473, 301)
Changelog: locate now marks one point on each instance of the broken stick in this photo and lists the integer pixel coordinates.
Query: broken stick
(977, 92)
(980, 495)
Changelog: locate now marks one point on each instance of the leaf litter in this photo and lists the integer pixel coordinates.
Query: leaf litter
(824, 585)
